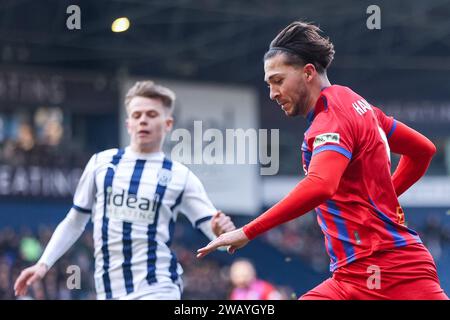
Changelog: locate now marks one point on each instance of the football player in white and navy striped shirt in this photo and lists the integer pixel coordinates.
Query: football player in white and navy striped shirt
(133, 196)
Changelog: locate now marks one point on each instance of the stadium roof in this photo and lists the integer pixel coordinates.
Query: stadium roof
(219, 40)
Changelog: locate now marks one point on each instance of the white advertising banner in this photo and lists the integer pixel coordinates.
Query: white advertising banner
(428, 192)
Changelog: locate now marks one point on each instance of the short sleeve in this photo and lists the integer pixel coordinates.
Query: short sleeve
(330, 132)
(83, 199)
(388, 124)
(195, 203)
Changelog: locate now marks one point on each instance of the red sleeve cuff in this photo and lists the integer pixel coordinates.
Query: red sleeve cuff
(251, 234)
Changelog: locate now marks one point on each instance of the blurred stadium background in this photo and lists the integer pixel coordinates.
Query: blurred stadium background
(61, 100)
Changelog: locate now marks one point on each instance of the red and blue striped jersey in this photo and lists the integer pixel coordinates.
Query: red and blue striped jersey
(364, 215)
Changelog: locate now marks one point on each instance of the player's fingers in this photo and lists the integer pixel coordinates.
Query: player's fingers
(35, 277)
(201, 254)
(231, 249)
(18, 283)
(18, 287)
(208, 248)
(22, 280)
(216, 219)
(229, 226)
(226, 218)
(21, 288)
(22, 291)
(218, 214)
(223, 220)
(213, 245)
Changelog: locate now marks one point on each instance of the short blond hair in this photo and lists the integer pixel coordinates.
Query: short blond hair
(149, 89)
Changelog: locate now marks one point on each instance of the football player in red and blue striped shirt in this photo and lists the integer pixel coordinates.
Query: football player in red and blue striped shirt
(346, 159)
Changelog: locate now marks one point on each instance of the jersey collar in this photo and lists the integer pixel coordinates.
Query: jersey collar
(321, 105)
(146, 156)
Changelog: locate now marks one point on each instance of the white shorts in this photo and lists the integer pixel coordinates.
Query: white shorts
(157, 291)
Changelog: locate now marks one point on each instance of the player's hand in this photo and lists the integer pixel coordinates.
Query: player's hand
(221, 223)
(235, 239)
(29, 276)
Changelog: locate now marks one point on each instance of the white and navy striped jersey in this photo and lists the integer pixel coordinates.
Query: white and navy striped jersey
(134, 200)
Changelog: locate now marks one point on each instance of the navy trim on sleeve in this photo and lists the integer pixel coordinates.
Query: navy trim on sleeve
(82, 210)
(177, 201)
(201, 220)
(339, 149)
(394, 125)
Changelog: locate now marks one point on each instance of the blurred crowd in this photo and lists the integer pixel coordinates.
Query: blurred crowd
(20, 249)
(37, 141)
(203, 280)
(208, 279)
(435, 234)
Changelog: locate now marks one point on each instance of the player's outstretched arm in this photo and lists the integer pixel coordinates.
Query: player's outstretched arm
(416, 153)
(65, 235)
(325, 172)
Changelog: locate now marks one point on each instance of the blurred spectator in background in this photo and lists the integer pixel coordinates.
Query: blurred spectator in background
(25, 138)
(39, 139)
(53, 133)
(52, 151)
(246, 284)
(22, 150)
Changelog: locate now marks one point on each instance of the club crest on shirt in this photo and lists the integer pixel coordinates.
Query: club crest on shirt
(400, 216)
(324, 138)
(164, 177)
